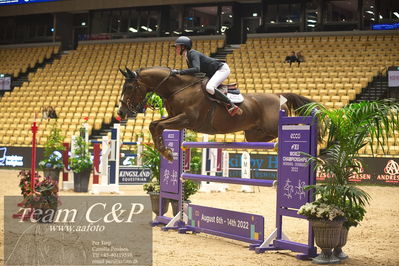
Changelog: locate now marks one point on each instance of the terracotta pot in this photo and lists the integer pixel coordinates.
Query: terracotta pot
(327, 235)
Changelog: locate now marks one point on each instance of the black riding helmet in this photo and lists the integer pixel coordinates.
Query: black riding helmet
(185, 41)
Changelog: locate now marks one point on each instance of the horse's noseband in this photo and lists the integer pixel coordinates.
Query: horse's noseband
(141, 105)
(128, 102)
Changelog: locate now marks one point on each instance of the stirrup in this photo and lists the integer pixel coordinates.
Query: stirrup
(234, 110)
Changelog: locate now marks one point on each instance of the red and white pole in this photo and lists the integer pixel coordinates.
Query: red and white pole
(33, 165)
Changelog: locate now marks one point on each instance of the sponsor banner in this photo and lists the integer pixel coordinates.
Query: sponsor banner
(263, 166)
(134, 175)
(374, 171)
(5, 82)
(393, 78)
(294, 171)
(170, 170)
(246, 225)
(18, 156)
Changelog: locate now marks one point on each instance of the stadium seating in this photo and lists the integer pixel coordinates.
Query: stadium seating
(86, 82)
(17, 60)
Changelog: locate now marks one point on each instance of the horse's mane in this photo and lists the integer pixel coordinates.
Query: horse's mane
(153, 67)
(186, 78)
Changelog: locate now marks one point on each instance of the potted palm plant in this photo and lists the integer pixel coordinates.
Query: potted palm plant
(81, 164)
(348, 130)
(52, 163)
(151, 159)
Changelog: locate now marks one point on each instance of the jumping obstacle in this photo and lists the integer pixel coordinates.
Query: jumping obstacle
(106, 163)
(217, 161)
(211, 163)
(110, 155)
(297, 135)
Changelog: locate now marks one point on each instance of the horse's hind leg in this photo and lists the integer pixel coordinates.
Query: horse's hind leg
(258, 135)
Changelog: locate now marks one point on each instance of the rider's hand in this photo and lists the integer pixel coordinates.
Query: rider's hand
(174, 72)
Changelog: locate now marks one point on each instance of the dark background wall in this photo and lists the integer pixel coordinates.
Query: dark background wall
(82, 5)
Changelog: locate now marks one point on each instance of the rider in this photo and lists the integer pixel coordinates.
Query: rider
(217, 71)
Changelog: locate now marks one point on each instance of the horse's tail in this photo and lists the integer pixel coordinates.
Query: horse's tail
(295, 101)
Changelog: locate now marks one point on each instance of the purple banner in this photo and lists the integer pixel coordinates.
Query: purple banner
(294, 169)
(170, 171)
(236, 224)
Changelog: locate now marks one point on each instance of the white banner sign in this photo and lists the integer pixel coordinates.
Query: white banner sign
(393, 78)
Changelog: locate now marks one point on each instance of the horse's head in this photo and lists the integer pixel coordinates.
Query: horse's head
(133, 95)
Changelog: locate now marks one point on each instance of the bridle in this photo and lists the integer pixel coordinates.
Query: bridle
(142, 104)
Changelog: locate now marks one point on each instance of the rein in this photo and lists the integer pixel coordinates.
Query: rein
(181, 89)
(143, 103)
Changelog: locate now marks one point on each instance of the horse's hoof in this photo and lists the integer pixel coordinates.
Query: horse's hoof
(168, 154)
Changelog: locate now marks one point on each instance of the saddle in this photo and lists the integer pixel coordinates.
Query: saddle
(230, 90)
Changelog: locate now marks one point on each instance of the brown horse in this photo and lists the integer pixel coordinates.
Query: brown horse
(189, 107)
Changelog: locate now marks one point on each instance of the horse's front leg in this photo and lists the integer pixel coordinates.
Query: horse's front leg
(157, 127)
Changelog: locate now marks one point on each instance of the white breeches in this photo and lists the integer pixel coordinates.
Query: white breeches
(220, 75)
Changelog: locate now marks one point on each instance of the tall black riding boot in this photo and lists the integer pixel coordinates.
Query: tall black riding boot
(233, 109)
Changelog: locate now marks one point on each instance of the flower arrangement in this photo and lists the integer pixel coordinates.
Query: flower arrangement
(152, 186)
(52, 150)
(44, 195)
(54, 161)
(80, 161)
(24, 182)
(348, 130)
(321, 211)
(81, 158)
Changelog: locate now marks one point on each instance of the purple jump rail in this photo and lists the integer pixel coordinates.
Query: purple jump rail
(230, 145)
(229, 180)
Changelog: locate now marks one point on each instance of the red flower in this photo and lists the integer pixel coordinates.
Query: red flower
(86, 118)
(118, 118)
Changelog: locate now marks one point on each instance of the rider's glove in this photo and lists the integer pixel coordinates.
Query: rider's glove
(174, 72)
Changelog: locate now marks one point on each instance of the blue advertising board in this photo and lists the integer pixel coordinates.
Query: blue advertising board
(18, 2)
(263, 166)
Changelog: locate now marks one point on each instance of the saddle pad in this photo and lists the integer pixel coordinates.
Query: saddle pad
(235, 98)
